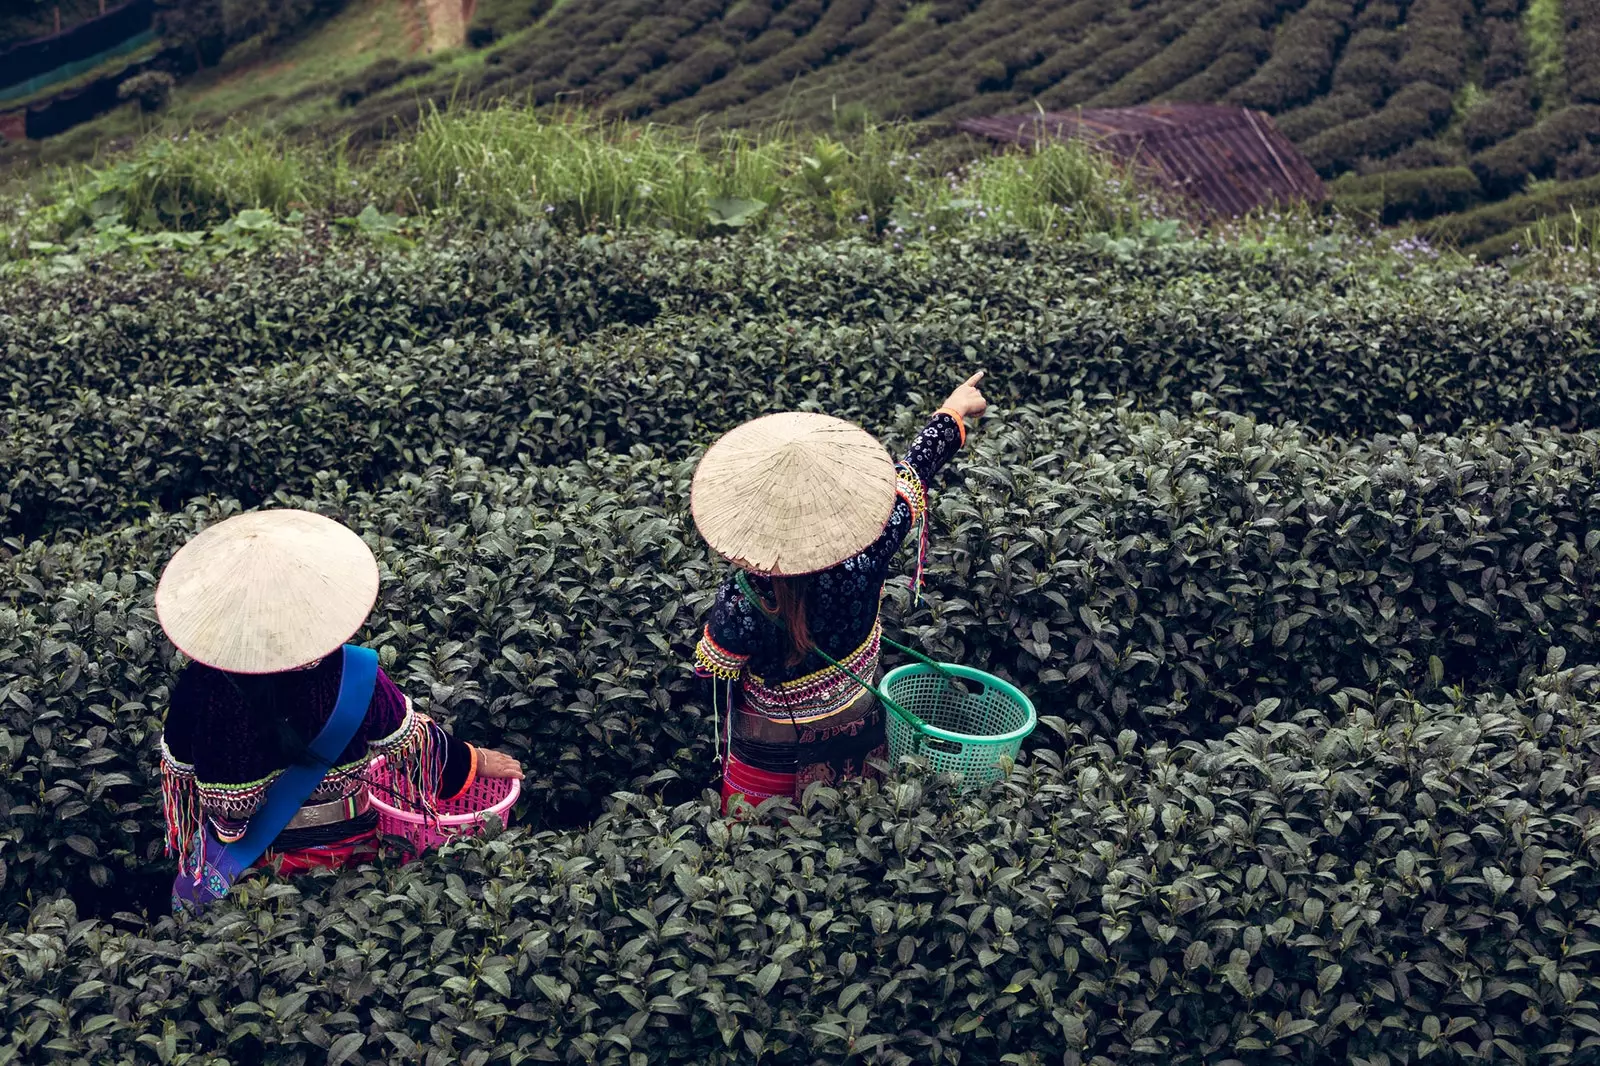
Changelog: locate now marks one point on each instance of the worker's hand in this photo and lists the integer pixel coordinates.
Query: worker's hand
(967, 401)
(498, 764)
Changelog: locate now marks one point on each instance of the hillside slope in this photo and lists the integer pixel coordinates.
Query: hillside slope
(1424, 107)
(1360, 86)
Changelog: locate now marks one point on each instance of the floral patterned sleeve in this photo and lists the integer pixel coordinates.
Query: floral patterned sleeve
(929, 453)
(729, 637)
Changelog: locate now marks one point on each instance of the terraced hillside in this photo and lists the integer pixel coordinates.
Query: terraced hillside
(1420, 108)
(1424, 108)
(1510, 90)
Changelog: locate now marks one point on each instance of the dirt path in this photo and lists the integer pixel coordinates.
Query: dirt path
(447, 23)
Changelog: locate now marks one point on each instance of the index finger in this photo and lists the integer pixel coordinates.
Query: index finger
(974, 379)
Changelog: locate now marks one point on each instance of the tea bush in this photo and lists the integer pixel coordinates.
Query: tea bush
(1126, 569)
(1293, 542)
(1413, 879)
(855, 329)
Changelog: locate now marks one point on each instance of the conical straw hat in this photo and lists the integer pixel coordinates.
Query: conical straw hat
(793, 493)
(267, 591)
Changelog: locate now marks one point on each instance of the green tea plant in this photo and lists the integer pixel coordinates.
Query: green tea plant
(1291, 536)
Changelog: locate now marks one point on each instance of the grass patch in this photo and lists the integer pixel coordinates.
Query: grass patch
(509, 164)
(254, 78)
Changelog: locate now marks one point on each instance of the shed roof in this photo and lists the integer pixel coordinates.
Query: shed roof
(1229, 159)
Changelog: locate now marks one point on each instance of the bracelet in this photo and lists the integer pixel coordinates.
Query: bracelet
(960, 422)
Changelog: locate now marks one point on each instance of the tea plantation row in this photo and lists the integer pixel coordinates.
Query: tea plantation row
(1410, 880)
(1125, 569)
(543, 347)
(1313, 780)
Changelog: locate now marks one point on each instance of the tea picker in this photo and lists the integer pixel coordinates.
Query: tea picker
(811, 510)
(278, 732)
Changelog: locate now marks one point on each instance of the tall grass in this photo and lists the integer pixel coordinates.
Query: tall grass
(1562, 246)
(196, 181)
(507, 164)
(1058, 188)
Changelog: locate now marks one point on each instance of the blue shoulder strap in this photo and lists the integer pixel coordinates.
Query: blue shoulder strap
(225, 862)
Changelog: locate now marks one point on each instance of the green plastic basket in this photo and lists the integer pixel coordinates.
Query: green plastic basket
(971, 720)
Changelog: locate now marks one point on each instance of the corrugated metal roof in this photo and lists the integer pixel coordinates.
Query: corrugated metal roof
(1229, 159)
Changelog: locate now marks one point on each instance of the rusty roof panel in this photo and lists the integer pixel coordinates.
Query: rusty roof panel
(1231, 160)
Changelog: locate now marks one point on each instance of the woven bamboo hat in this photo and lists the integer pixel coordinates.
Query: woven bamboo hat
(267, 591)
(792, 493)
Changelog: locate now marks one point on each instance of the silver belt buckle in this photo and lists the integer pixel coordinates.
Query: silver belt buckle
(334, 811)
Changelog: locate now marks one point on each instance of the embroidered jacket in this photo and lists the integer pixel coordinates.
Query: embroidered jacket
(740, 645)
(218, 756)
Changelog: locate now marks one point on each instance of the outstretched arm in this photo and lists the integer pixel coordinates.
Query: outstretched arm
(930, 452)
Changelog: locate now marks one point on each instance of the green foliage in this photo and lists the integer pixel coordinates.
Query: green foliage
(1411, 877)
(189, 183)
(1393, 195)
(1543, 26)
(1292, 540)
(1508, 218)
(1356, 86)
(494, 19)
(1537, 151)
(151, 89)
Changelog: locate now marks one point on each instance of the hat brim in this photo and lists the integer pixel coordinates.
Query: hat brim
(267, 591)
(792, 494)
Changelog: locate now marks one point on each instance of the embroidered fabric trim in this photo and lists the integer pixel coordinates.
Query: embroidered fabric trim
(817, 695)
(416, 756)
(911, 489)
(712, 660)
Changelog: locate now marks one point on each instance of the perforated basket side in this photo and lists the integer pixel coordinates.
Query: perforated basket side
(971, 724)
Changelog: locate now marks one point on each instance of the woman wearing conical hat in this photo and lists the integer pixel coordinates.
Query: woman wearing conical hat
(811, 511)
(262, 605)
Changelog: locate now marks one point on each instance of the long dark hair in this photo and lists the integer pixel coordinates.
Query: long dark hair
(789, 599)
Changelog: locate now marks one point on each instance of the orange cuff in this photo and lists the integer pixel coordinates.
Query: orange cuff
(960, 422)
(472, 775)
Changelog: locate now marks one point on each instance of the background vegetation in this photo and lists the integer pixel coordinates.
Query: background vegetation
(1433, 107)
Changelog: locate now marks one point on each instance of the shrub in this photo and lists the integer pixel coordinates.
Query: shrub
(1301, 60)
(1214, 83)
(1533, 152)
(1583, 162)
(1437, 45)
(1505, 57)
(1401, 194)
(152, 89)
(747, 18)
(1321, 882)
(1582, 41)
(550, 609)
(87, 460)
(1368, 64)
(1498, 115)
(1410, 114)
(1472, 228)
(1233, 27)
(494, 19)
(1330, 111)
(1424, 155)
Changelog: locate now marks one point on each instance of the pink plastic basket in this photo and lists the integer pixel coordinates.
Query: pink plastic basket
(461, 817)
